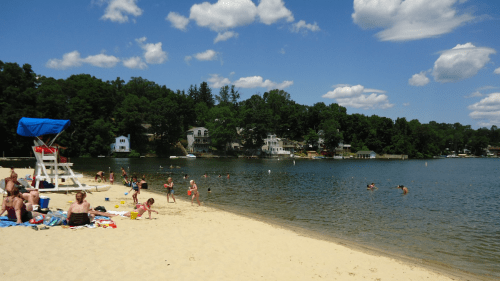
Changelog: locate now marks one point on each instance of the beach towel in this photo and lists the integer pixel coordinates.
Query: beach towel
(5, 222)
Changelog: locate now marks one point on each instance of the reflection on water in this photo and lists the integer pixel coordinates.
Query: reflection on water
(450, 215)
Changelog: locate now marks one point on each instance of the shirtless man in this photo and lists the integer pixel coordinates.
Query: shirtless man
(101, 175)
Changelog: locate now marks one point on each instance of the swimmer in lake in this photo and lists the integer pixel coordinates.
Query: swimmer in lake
(404, 188)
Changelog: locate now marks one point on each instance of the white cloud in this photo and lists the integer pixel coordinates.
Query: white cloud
(352, 96)
(177, 21)
(217, 81)
(474, 95)
(227, 14)
(302, 25)
(258, 82)
(188, 59)
(487, 110)
(271, 11)
(419, 79)
(153, 53)
(282, 51)
(118, 10)
(224, 14)
(250, 82)
(406, 104)
(409, 19)
(69, 60)
(135, 62)
(461, 62)
(497, 71)
(73, 59)
(225, 36)
(102, 60)
(208, 55)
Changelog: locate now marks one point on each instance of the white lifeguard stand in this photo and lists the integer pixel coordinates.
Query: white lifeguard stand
(47, 166)
(49, 169)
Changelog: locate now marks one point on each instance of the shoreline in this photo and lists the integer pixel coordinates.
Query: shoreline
(206, 241)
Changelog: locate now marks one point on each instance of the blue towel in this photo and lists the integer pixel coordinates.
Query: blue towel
(102, 218)
(5, 222)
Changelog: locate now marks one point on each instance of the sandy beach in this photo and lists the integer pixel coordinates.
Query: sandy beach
(187, 242)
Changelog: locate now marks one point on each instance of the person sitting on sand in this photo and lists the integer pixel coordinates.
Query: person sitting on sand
(136, 188)
(170, 188)
(194, 192)
(78, 212)
(404, 188)
(143, 208)
(15, 207)
(29, 194)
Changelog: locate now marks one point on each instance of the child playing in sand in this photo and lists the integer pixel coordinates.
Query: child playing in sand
(194, 192)
(143, 208)
(137, 189)
(170, 188)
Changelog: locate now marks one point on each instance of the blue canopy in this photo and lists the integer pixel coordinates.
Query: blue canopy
(33, 127)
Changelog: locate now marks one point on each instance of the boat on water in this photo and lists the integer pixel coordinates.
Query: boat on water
(191, 156)
(318, 157)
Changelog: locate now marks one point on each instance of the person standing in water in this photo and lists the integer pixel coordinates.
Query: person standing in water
(194, 192)
(404, 188)
(170, 189)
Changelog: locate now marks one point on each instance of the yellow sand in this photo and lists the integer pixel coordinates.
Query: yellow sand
(185, 242)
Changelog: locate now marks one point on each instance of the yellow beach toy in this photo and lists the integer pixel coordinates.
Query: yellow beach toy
(116, 206)
(133, 215)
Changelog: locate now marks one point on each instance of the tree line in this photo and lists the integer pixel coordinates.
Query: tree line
(102, 110)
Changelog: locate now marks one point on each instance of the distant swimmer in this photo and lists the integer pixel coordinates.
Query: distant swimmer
(404, 188)
(371, 186)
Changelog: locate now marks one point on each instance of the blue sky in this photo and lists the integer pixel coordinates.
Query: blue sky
(431, 60)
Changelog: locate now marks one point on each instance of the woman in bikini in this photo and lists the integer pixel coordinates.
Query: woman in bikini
(194, 191)
(170, 189)
(141, 209)
(15, 207)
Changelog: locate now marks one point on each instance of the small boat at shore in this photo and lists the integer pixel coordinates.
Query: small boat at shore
(191, 156)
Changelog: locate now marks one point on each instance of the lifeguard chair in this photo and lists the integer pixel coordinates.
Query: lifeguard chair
(47, 166)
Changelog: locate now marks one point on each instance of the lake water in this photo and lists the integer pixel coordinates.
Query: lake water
(450, 216)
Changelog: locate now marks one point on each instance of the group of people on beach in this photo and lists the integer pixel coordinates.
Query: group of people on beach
(20, 200)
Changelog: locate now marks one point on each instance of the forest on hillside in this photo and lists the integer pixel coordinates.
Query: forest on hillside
(102, 110)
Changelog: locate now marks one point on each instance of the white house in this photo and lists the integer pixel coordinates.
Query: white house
(122, 144)
(274, 146)
(198, 140)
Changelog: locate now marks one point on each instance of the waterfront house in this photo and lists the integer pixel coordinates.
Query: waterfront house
(121, 144)
(366, 154)
(198, 140)
(274, 146)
